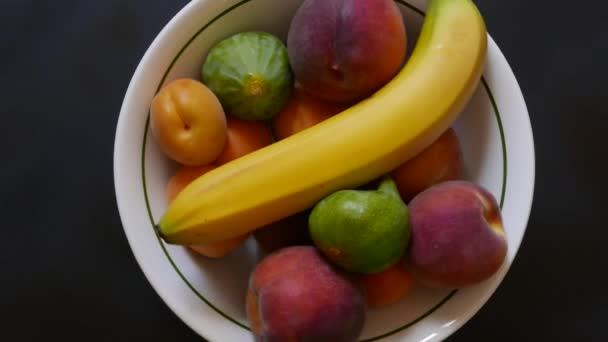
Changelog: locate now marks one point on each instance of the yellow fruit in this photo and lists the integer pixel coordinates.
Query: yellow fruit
(347, 150)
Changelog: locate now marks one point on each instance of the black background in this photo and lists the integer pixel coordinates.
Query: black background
(67, 271)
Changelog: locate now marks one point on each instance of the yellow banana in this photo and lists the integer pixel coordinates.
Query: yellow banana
(351, 148)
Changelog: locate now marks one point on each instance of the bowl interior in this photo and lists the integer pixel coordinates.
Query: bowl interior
(209, 295)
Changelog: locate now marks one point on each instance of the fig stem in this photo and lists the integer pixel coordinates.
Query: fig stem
(388, 186)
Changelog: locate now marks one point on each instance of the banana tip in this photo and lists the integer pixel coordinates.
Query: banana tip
(159, 232)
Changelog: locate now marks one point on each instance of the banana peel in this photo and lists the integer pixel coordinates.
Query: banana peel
(347, 150)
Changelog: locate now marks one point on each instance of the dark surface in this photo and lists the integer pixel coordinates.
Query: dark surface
(67, 270)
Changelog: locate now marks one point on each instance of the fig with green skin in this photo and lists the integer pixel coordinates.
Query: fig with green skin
(250, 74)
(363, 231)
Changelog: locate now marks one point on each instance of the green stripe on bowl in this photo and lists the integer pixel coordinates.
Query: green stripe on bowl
(180, 273)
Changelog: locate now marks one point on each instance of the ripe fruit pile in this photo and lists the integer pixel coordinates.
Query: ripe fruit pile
(336, 155)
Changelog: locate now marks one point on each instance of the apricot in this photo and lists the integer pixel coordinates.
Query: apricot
(221, 248)
(344, 50)
(243, 137)
(387, 287)
(184, 176)
(441, 161)
(457, 235)
(302, 111)
(188, 122)
(295, 295)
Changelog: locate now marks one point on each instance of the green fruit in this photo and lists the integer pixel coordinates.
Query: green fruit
(249, 72)
(363, 231)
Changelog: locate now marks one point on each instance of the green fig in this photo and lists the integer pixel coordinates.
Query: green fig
(250, 74)
(362, 231)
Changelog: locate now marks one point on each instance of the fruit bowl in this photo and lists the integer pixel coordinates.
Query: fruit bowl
(209, 294)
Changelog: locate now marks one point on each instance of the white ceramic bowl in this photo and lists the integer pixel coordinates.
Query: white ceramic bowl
(209, 295)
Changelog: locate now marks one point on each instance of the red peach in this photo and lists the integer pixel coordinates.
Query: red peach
(344, 50)
(457, 235)
(294, 294)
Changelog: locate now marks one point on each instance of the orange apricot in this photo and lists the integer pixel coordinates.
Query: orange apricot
(244, 137)
(220, 248)
(184, 176)
(188, 122)
(302, 111)
(387, 287)
(439, 162)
